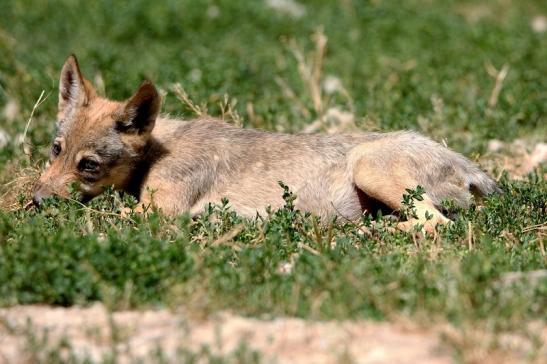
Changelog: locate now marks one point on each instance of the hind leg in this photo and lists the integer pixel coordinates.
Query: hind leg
(424, 209)
(386, 177)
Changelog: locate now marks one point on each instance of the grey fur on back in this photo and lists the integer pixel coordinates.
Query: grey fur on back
(204, 160)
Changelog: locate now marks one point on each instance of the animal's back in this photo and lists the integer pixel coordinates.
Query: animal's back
(209, 160)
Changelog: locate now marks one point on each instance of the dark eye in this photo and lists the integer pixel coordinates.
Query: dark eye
(56, 149)
(88, 165)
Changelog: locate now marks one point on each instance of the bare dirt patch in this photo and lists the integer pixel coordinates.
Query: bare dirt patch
(518, 158)
(96, 333)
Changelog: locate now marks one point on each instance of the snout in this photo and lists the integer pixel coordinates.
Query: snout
(40, 193)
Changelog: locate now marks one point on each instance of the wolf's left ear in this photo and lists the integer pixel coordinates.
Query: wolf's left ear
(74, 90)
(140, 111)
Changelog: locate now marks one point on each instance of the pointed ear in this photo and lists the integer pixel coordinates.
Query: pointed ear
(140, 111)
(74, 90)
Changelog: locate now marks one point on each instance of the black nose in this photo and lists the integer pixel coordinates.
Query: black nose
(37, 199)
(41, 192)
(39, 195)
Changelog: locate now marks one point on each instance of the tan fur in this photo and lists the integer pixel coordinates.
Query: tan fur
(179, 166)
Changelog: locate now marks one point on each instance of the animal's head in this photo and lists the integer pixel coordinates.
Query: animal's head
(97, 141)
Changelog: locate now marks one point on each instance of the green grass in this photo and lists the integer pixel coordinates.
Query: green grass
(412, 64)
(67, 254)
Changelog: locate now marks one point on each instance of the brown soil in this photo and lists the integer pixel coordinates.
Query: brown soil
(95, 332)
(89, 330)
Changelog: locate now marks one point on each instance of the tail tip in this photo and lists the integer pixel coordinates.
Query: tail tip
(483, 185)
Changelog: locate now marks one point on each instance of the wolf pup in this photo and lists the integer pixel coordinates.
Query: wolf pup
(179, 166)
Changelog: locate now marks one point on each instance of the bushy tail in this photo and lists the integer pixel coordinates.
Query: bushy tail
(471, 182)
(480, 184)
